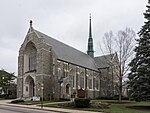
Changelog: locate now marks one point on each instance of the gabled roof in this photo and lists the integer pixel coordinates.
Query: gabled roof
(103, 61)
(3, 73)
(69, 54)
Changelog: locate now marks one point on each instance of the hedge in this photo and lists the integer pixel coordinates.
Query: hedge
(82, 102)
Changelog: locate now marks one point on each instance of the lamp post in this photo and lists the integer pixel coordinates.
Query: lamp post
(42, 88)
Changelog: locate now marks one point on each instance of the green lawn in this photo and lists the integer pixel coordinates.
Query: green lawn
(115, 107)
(35, 102)
(32, 102)
(122, 108)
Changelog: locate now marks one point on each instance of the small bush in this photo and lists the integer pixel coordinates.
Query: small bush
(68, 104)
(3, 96)
(100, 105)
(82, 102)
(16, 101)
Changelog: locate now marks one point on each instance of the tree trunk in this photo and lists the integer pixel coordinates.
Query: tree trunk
(120, 89)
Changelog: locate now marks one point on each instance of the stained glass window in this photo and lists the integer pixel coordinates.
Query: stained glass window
(32, 59)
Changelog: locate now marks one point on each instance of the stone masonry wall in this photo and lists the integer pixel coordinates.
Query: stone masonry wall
(53, 73)
(44, 67)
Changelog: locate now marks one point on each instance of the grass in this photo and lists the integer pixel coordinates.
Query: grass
(121, 108)
(124, 107)
(29, 103)
(35, 102)
(115, 107)
(84, 109)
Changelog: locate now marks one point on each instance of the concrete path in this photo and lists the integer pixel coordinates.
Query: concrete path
(60, 110)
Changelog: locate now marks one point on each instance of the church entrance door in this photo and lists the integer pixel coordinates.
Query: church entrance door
(31, 88)
(67, 89)
(30, 83)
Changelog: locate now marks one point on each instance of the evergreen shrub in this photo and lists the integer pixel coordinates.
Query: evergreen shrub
(82, 102)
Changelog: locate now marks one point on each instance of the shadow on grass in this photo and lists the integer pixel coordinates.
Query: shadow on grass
(145, 108)
(123, 102)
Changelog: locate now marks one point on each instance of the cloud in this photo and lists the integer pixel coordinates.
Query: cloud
(64, 20)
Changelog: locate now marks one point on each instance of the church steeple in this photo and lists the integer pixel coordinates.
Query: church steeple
(90, 50)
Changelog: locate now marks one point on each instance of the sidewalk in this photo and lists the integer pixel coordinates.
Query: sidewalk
(60, 110)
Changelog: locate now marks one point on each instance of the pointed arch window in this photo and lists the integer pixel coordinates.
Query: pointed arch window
(97, 84)
(73, 76)
(90, 82)
(32, 59)
(81, 80)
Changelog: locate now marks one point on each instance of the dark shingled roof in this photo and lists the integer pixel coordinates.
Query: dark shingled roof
(103, 61)
(6, 74)
(69, 54)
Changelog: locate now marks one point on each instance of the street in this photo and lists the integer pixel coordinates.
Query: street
(10, 109)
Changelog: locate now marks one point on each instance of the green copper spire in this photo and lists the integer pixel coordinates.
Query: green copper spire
(90, 50)
(90, 29)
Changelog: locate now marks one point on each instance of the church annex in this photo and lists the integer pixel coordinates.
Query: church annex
(62, 70)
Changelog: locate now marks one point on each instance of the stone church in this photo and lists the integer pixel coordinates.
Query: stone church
(48, 65)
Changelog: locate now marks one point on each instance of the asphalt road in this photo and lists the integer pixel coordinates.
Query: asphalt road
(10, 109)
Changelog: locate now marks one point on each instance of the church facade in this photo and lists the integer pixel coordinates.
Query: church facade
(46, 64)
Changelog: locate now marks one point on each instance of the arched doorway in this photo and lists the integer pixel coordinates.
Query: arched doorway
(30, 86)
(67, 89)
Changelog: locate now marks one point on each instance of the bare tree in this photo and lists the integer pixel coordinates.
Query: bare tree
(123, 44)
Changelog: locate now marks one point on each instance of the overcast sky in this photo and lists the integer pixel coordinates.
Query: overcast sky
(64, 20)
